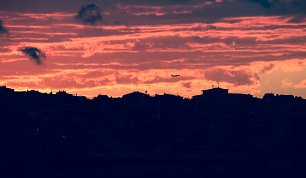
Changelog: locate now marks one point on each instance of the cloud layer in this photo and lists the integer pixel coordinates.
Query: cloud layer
(139, 44)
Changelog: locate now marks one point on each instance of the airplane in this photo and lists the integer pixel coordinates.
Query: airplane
(175, 75)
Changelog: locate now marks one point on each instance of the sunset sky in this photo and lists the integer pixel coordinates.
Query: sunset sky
(120, 46)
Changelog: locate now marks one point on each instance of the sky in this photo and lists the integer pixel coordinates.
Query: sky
(114, 47)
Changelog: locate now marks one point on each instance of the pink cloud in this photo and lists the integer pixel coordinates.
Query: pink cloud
(236, 77)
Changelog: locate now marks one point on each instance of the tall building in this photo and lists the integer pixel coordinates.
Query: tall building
(215, 92)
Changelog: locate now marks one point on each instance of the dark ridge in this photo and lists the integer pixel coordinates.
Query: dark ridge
(216, 134)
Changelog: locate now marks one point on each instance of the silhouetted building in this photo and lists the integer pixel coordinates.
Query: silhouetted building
(212, 93)
(63, 94)
(215, 92)
(240, 97)
(270, 97)
(136, 95)
(169, 97)
(4, 90)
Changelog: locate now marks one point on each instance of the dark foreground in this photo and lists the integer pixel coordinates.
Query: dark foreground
(214, 135)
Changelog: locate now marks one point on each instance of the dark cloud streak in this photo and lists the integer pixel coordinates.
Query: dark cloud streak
(34, 53)
(3, 30)
(89, 14)
(272, 3)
